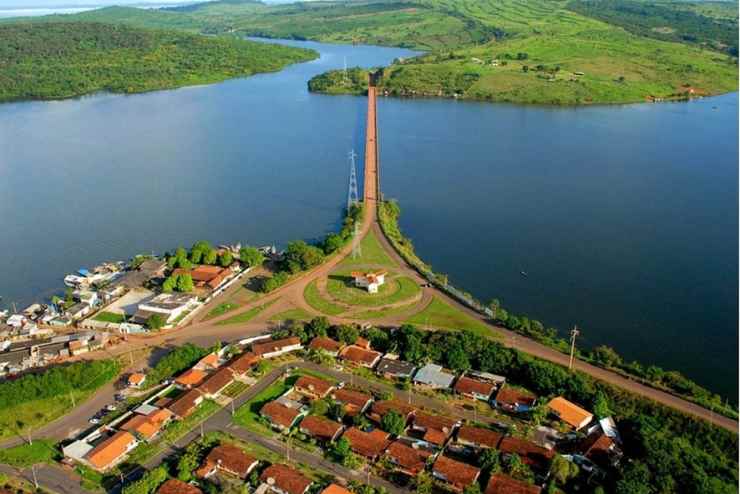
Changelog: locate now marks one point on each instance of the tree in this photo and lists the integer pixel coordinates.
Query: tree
(601, 405)
(189, 461)
(169, 284)
(347, 334)
(226, 259)
(424, 483)
(635, 480)
(563, 470)
(251, 256)
(155, 322)
(318, 326)
(319, 407)
(300, 256)
(148, 483)
(210, 257)
(332, 243)
(393, 423)
(336, 411)
(184, 283)
(517, 468)
(341, 449)
(457, 359)
(606, 356)
(473, 488)
(490, 461)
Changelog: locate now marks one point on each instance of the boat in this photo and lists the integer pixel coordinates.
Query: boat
(523, 273)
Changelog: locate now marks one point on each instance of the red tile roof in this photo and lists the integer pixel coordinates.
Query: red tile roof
(596, 447)
(531, 454)
(313, 385)
(468, 386)
(205, 275)
(324, 343)
(184, 406)
(107, 452)
(354, 401)
(335, 489)
(510, 396)
(503, 484)
(136, 378)
(217, 381)
(382, 407)
(142, 426)
(410, 460)
(286, 479)
(191, 377)
(477, 436)
(279, 414)
(174, 486)
(320, 428)
(274, 345)
(370, 444)
(229, 458)
(359, 355)
(243, 363)
(459, 475)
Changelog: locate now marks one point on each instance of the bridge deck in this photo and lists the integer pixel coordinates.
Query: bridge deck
(370, 189)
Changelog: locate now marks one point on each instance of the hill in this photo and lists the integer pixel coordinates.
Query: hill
(54, 60)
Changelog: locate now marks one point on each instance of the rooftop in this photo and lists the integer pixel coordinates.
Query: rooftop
(511, 396)
(479, 436)
(313, 385)
(531, 454)
(354, 353)
(184, 405)
(244, 362)
(280, 414)
(370, 444)
(459, 474)
(286, 479)
(354, 400)
(274, 345)
(320, 427)
(503, 484)
(105, 453)
(433, 375)
(410, 459)
(395, 367)
(335, 489)
(469, 386)
(217, 381)
(570, 413)
(191, 377)
(382, 407)
(175, 486)
(326, 344)
(230, 458)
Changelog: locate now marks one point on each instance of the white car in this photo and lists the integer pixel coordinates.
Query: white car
(94, 421)
(111, 408)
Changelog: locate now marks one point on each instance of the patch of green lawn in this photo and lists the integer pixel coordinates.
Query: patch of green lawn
(441, 315)
(221, 309)
(381, 313)
(247, 315)
(110, 317)
(248, 415)
(341, 286)
(371, 253)
(314, 299)
(25, 455)
(291, 315)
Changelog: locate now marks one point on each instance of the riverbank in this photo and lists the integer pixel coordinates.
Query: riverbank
(59, 60)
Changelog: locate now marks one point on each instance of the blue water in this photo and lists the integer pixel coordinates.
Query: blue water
(625, 218)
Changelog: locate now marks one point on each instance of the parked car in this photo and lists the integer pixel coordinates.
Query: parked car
(111, 408)
(94, 420)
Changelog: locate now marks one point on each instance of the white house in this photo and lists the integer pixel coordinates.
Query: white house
(370, 280)
(169, 305)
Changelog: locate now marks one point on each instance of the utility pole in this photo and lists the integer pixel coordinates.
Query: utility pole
(573, 333)
(35, 480)
(72, 399)
(232, 407)
(201, 430)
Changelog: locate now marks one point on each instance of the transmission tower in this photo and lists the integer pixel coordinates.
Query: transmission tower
(353, 196)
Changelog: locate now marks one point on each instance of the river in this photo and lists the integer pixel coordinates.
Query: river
(623, 218)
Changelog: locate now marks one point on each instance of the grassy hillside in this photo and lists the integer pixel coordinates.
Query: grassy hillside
(53, 60)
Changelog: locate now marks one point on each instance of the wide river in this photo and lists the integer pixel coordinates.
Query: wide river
(624, 218)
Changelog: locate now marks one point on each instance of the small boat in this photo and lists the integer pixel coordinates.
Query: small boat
(523, 273)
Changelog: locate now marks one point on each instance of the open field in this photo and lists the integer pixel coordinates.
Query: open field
(25, 455)
(341, 287)
(440, 315)
(247, 315)
(316, 301)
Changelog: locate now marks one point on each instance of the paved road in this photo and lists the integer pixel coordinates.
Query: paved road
(50, 477)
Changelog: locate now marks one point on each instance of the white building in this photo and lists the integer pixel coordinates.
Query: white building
(169, 305)
(371, 280)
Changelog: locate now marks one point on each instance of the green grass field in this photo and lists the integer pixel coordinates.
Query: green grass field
(25, 455)
(110, 317)
(382, 313)
(438, 314)
(371, 252)
(341, 287)
(221, 309)
(248, 415)
(316, 301)
(291, 315)
(247, 315)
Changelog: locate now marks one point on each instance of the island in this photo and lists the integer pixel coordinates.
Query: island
(56, 60)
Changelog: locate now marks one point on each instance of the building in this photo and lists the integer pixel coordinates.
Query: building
(380, 408)
(146, 427)
(477, 438)
(395, 369)
(111, 451)
(570, 413)
(175, 486)
(371, 280)
(432, 376)
(325, 344)
(534, 456)
(601, 449)
(473, 388)
(136, 380)
(500, 483)
(456, 474)
(408, 460)
(285, 480)
(186, 404)
(320, 428)
(205, 276)
(78, 347)
(354, 402)
(273, 348)
(169, 306)
(242, 364)
(371, 444)
(216, 383)
(210, 362)
(313, 387)
(190, 378)
(360, 356)
(281, 417)
(335, 489)
(434, 429)
(77, 311)
(513, 400)
(227, 458)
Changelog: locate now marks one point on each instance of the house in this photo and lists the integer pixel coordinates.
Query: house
(205, 276)
(391, 368)
(77, 311)
(185, 405)
(360, 356)
(407, 459)
(513, 400)
(570, 413)
(500, 483)
(325, 344)
(136, 380)
(281, 416)
(313, 387)
(285, 480)
(175, 486)
(242, 364)
(601, 449)
(169, 306)
(435, 429)
(273, 348)
(432, 376)
(111, 451)
(146, 427)
(190, 378)
(371, 280)
(209, 362)
(477, 438)
(456, 474)
(532, 455)
(335, 489)
(355, 402)
(322, 429)
(380, 408)
(78, 347)
(227, 458)
(363, 343)
(473, 388)
(368, 444)
(216, 383)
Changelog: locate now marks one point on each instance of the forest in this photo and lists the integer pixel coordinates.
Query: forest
(55, 60)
